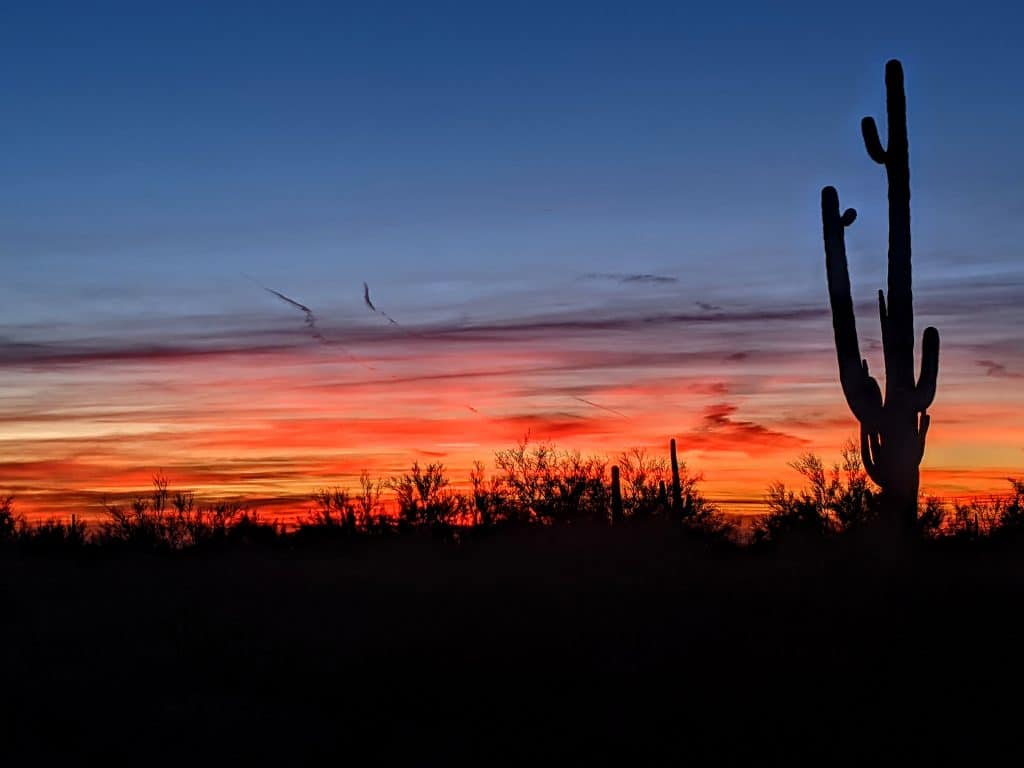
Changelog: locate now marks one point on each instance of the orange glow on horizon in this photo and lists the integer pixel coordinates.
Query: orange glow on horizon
(272, 426)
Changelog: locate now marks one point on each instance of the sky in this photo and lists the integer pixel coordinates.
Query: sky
(596, 224)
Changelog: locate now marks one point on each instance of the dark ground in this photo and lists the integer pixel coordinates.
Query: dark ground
(582, 645)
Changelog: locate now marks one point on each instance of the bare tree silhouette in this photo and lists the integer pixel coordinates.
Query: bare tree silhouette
(893, 430)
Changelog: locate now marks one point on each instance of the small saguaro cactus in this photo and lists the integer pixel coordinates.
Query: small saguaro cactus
(677, 488)
(893, 428)
(617, 516)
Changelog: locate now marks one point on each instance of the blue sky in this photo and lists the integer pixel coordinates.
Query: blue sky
(155, 151)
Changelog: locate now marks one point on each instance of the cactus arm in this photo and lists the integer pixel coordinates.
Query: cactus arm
(922, 433)
(858, 387)
(839, 292)
(871, 141)
(869, 450)
(865, 453)
(883, 321)
(873, 395)
(926, 383)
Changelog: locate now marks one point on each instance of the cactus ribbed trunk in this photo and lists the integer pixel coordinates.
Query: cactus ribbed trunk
(617, 516)
(677, 489)
(893, 428)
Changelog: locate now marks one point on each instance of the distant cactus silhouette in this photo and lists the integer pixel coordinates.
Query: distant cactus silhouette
(617, 516)
(893, 430)
(677, 488)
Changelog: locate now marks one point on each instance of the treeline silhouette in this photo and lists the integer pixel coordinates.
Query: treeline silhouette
(840, 501)
(515, 621)
(534, 485)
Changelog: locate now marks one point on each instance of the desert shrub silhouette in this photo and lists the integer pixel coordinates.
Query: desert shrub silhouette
(332, 509)
(534, 485)
(489, 505)
(644, 479)
(143, 524)
(167, 520)
(545, 484)
(249, 529)
(1010, 521)
(57, 537)
(8, 520)
(367, 504)
(993, 519)
(426, 499)
(340, 513)
(931, 517)
(833, 501)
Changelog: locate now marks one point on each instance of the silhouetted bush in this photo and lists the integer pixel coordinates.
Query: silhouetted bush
(8, 520)
(1010, 522)
(333, 509)
(489, 505)
(166, 521)
(249, 529)
(425, 498)
(54, 536)
(931, 517)
(645, 483)
(534, 484)
(999, 518)
(645, 479)
(142, 524)
(832, 502)
(705, 520)
(545, 484)
(367, 505)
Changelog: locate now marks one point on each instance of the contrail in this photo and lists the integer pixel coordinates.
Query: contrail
(366, 297)
(369, 303)
(310, 317)
(602, 407)
(311, 324)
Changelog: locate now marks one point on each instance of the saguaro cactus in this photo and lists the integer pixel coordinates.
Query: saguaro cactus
(617, 516)
(893, 429)
(677, 490)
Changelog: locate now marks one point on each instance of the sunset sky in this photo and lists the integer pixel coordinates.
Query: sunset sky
(595, 223)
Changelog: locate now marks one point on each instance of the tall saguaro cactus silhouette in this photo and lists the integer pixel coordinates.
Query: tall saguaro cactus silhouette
(617, 516)
(893, 429)
(677, 490)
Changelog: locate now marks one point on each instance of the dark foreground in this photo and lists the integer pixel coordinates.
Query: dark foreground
(540, 646)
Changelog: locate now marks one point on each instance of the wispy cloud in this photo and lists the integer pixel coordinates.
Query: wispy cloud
(636, 278)
(998, 370)
(720, 431)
